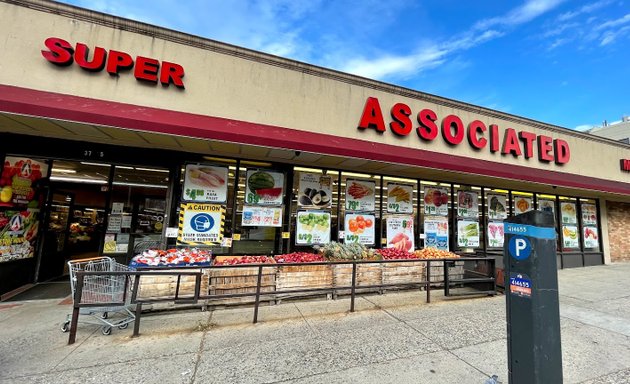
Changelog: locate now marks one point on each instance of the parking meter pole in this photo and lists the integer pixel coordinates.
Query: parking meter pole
(531, 291)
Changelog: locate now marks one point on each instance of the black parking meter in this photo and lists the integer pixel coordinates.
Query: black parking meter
(531, 291)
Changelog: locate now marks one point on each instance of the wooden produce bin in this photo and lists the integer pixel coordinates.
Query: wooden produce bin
(367, 274)
(437, 272)
(303, 277)
(226, 280)
(160, 287)
(404, 273)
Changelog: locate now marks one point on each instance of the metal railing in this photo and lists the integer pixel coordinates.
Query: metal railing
(479, 277)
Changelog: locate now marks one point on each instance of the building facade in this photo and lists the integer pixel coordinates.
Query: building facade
(115, 134)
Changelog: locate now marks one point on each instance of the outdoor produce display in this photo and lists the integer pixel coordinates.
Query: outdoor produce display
(299, 257)
(351, 251)
(172, 257)
(395, 254)
(244, 260)
(433, 253)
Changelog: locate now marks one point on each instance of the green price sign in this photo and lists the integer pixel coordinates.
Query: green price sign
(353, 205)
(305, 237)
(394, 207)
(352, 238)
(253, 198)
(430, 209)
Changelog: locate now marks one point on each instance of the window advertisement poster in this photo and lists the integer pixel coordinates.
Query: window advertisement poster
(522, 204)
(546, 205)
(313, 227)
(315, 190)
(18, 232)
(205, 183)
(591, 239)
(264, 187)
(201, 224)
(359, 229)
(467, 233)
(400, 233)
(436, 232)
(399, 198)
(570, 236)
(360, 195)
(467, 204)
(261, 216)
(20, 180)
(568, 212)
(589, 214)
(495, 234)
(497, 207)
(436, 201)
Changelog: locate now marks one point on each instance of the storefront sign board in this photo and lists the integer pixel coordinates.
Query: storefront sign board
(467, 204)
(495, 234)
(569, 213)
(360, 195)
(497, 206)
(264, 187)
(590, 237)
(570, 236)
(522, 204)
(436, 201)
(467, 233)
(313, 227)
(589, 214)
(436, 232)
(359, 228)
(261, 217)
(399, 198)
(314, 190)
(400, 233)
(205, 183)
(201, 224)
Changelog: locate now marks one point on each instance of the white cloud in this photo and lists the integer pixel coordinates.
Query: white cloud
(382, 67)
(588, 8)
(610, 36)
(614, 23)
(583, 128)
(527, 12)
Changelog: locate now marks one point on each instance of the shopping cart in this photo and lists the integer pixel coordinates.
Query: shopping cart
(102, 289)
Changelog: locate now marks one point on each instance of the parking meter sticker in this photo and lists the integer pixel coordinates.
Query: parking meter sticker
(520, 285)
(519, 247)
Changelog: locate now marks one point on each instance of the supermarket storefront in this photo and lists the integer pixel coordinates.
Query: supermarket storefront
(113, 132)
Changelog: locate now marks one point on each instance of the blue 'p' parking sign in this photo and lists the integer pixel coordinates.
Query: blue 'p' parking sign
(519, 247)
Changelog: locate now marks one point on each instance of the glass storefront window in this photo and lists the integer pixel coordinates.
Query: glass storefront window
(589, 221)
(497, 209)
(569, 230)
(360, 204)
(434, 210)
(468, 213)
(400, 202)
(137, 210)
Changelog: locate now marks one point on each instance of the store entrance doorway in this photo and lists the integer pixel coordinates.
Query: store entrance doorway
(76, 213)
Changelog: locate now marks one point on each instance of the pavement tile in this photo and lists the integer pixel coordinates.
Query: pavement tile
(489, 358)
(310, 309)
(176, 369)
(341, 322)
(434, 368)
(619, 377)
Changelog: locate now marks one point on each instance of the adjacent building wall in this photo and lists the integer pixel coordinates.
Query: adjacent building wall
(619, 231)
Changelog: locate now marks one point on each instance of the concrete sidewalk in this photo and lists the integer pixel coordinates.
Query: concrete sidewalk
(391, 338)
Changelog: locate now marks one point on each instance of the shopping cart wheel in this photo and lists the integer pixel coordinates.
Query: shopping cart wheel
(123, 326)
(104, 315)
(106, 330)
(65, 327)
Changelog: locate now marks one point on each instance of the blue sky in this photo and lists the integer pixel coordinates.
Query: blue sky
(564, 62)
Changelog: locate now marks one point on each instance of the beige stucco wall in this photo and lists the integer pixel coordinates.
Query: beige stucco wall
(226, 85)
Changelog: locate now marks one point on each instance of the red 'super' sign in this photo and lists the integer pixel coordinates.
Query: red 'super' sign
(454, 131)
(62, 53)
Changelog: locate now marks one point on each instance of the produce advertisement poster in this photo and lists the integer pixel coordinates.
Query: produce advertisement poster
(399, 198)
(547, 205)
(467, 233)
(400, 234)
(570, 236)
(590, 237)
(436, 232)
(359, 229)
(18, 232)
(436, 201)
(264, 187)
(589, 214)
(522, 205)
(497, 207)
(360, 195)
(315, 190)
(205, 183)
(467, 204)
(18, 179)
(313, 227)
(262, 216)
(568, 212)
(495, 234)
(201, 224)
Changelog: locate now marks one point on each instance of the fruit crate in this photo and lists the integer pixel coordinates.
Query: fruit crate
(156, 286)
(226, 280)
(367, 274)
(303, 277)
(404, 273)
(455, 271)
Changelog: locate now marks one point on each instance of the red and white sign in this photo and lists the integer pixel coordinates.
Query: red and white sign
(454, 131)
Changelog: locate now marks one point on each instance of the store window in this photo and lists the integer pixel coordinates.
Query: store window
(497, 209)
(569, 232)
(435, 208)
(400, 210)
(468, 216)
(137, 210)
(589, 221)
(259, 208)
(361, 205)
(314, 207)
